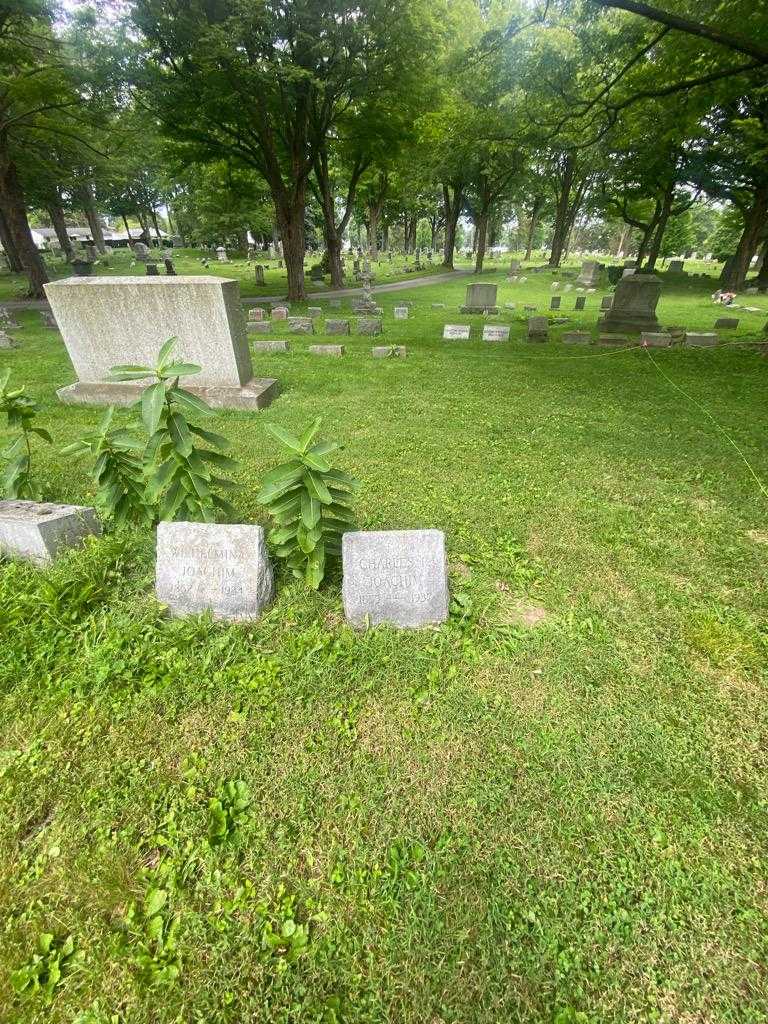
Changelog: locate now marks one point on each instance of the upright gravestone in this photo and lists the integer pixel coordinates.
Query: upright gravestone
(538, 328)
(398, 577)
(369, 325)
(207, 567)
(589, 274)
(554, 302)
(481, 298)
(676, 266)
(280, 313)
(580, 302)
(634, 305)
(36, 531)
(301, 325)
(6, 341)
(337, 326)
(106, 321)
(401, 312)
(255, 313)
(169, 268)
(221, 254)
(606, 302)
(259, 271)
(141, 251)
(7, 322)
(514, 266)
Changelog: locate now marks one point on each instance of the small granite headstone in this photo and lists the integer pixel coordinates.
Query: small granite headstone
(314, 311)
(554, 302)
(6, 341)
(327, 350)
(337, 326)
(700, 340)
(259, 270)
(481, 298)
(676, 266)
(208, 567)
(399, 577)
(401, 312)
(655, 340)
(258, 326)
(538, 328)
(255, 313)
(368, 325)
(388, 351)
(495, 332)
(613, 339)
(577, 338)
(334, 303)
(36, 531)
(271, 346)
(606, 302)
(456, 332)
(726, 323)
(301, 325)
(48, 320)
(580, 302)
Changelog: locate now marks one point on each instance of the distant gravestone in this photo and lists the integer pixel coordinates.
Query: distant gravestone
(255, 313)
(495, 332)
(369, 325)
(221, 254)
(613, 339)
(655, 340)
(301, 325)
(259, 326)
(606, 302)
(208, 567)
(538, 328)
(334, 303)
(481, 298)
(152, 270)
(327, 350)
(49, 320)
(259, 271)
(388, 351)
(581, 301)
(38, 531)
(141, 251)
(577, 338)
(726, 323)
(700, 340)
(314, 311)
(279, 313)
(554, 302)
(401, 312)
(676, 266)
(271, 346)
(7, 322)
(456, 332)
(589, 275)
(399, 577)
(169, 268)
(514, 266)
(6, 341)
(337, 326)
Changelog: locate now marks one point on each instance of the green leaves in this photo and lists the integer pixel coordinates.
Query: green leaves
(309, 505)
(152, 405)
(52, 959)
(228, 811)
(20, 410)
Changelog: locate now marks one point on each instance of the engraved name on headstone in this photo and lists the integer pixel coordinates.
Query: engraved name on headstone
(456, 332)
(495, 332)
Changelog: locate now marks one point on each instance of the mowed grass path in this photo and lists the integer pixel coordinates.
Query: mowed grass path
(496, 821)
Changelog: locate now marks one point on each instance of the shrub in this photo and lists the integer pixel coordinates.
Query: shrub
(20, 411)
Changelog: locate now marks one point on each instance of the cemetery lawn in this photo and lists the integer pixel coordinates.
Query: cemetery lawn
(552, 809)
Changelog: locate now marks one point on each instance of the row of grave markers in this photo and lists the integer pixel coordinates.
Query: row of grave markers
(399, 577)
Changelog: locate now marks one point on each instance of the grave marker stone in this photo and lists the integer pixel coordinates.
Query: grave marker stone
(6, 341)
(495, 332)
(538, 328)
(456, 332)
(314, 311)
(388, 351)
(255, 313)
(676, 266)
(301, 325)
(209, 567)
(655, 340)
(279, 313)
(337, 326)
(259, 271)
(700, 340)
(401, 312)
(589, 275)
(481, 298)
(726, 323)
(634, 305)
(271, 346)
(581, 301)
(577, 338)
(37, 531)
(327, 350)
(606, 302)
(369, 325)
(259, 326)
(399, 577)
(554, 302)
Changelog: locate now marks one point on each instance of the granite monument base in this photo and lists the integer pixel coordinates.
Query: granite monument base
(257, 394)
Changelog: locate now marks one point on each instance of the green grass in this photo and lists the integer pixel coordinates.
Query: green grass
(489, 822)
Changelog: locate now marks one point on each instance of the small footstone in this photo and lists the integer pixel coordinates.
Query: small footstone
(398, 577)
(509, 305)
(495, 332)
(694, 340)
(726, 323)
(337, 326)
(388, 351)
(207, 567)
(401, 312)
(36, 531)
(577, 338)
(301, 325)
(652, 340)
(613, 339)
(438, 305)
(368, 325)
(259, 326)
(271, 346)
(456, 332)
(327, 350)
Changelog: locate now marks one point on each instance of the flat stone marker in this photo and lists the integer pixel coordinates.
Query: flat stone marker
(337, 326)
(554, 302)
(279, 313)
(577, 338)
(301, 325)
(495, 332)
(613, 339)
(106, 321)
(223, 569)
(395, 576)
(438, 305)
(314, 311)
(271, 346)
(700, 340)
(726, 323)
(538, 328)
(327, 350)
(368, 325)
(388, 351)
(653, 340)
(606, 302)
(581, 301)
(258, 326)
(401, 312)
(456, 332)
(510, 305)
(255, 313)
(37, 531)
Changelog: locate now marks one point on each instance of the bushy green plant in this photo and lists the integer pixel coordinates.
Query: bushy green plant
(227, 811)
(154, 934)
(117, 472)
(46, 967)
(20, 411)
(179, 474)
(310, 503)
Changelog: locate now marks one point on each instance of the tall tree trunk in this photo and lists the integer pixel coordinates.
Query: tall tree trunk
(761, 281)
(290, 221)
(153, 215)
(92, 216)
(644, 242)
(536, 206)
(622, 241)
(60, 227)
(452, 205)
(481, 229)
(385, 238)
(9, 246)
(14, 210)
(563, 211)
(374, 211)
(127, 229)
(754, 225)
(662, 219)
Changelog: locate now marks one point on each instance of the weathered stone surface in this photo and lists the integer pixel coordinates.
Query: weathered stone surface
(49, 320)
(554, 302)
(36, 531)
(456, 332)
(481, 298)
(259, 327)
(334, 303)
(314, 311)
(398, 577)
(589, 274)
(401, 312)
(514, 266)
(700, 340)
(368, 325)
(538, 328)
(634, 304)
(581, 301)
(223, 569)
(301, 325)
(271, 346)
(7, 322)
(337, 326)
(606, 302)
(495, 332)
(388, 351)
(327, 350)
(655, 340)
(106, 321)
(577, 338)
(438, 305)
(279, 312)
(613, 339)
(726, 323)
(255, 313)
(676, 266)
(6, 341)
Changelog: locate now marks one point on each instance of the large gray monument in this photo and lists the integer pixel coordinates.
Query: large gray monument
(106, 321)
(634, 305)
(481, 298)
